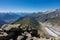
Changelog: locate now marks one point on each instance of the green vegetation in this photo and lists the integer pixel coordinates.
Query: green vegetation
(27, 22)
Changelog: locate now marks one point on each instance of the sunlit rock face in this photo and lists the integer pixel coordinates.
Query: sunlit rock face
(2, 33)
(16, 32)
(10, 26)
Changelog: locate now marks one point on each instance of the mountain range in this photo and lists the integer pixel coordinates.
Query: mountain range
(7, 18)
(40, 16)
(46, 24)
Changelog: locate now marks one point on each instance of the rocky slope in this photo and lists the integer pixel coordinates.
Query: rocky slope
(55, 24)
(26, 29)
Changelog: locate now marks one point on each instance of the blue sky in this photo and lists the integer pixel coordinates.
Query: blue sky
(28, 5)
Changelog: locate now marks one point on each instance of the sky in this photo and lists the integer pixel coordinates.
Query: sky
(28, 5)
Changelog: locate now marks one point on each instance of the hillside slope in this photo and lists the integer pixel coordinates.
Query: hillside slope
(53, 24)
(27, 22)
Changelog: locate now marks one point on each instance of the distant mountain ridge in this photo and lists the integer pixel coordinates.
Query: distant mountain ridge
(40, 16)
(10, 17)
(45, 16)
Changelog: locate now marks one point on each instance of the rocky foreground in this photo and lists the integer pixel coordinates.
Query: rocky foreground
(17, 32)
